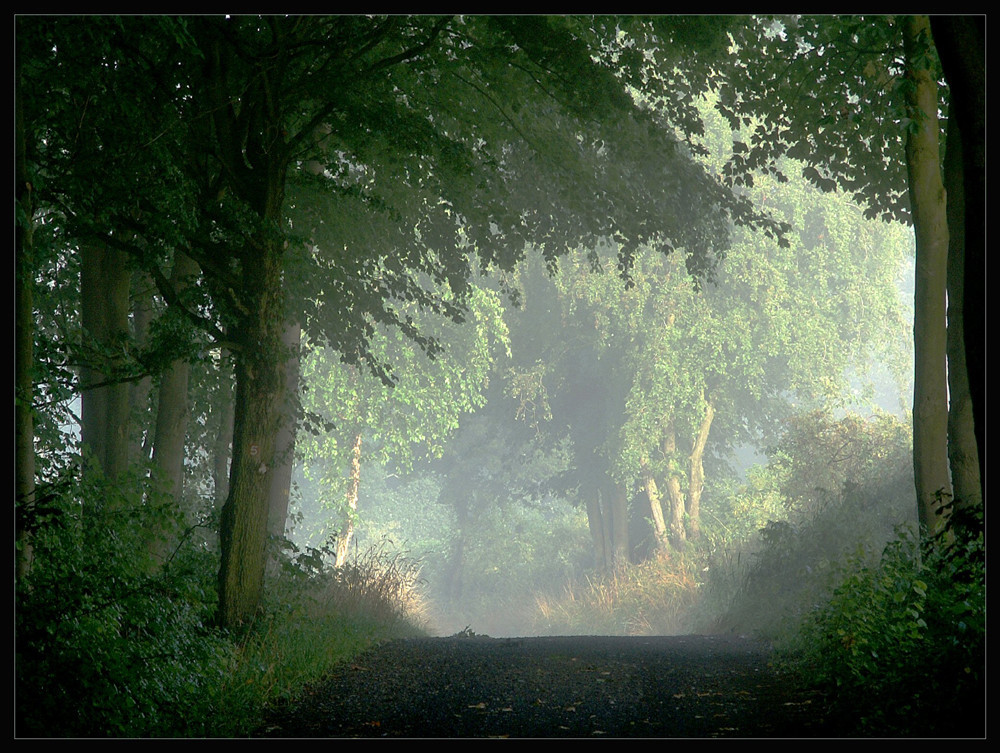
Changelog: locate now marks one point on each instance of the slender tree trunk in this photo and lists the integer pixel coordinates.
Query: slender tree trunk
(928, 206)
(678, 536)
(454, 582)
(697, 472)
(595, 521)
(655, 509)
(962, 449)
(618, 505)
(281, 481)
(961, 44)
(141, 443)
(224, 435)
(171, 429)
(347, 532)
(24, 336)
(104, 289)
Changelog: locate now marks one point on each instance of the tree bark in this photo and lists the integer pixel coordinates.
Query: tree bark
(655, 509)
(141, 444)
(678, 536)
(961, 45)
(618, 505)
(281, 481)
(24, 336)
(259, 389)
(347, 531)
(697, 472)
(962, 447)
(171, 429)
(595, 521)
(224, 434)
(249, 141)
(928, 207)
(104, 290)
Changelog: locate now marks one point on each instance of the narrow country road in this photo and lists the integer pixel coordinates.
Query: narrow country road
(677, 686)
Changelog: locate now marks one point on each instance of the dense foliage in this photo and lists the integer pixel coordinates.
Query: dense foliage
(338, 328)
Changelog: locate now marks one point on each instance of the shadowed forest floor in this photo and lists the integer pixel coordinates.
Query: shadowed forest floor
(590, 686)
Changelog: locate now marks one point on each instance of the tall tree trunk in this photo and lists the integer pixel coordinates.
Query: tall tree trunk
(598, 535)
(655, 509)
(961, 45)
(962, 450)
(928, 207)
(104, 290)
(281, 481)
(224, 434)
(259, 391)
(678, 536)
(24, 336)
(171, 429)
(697, 471)
(617, 505)
(141, 442)
(347, 531)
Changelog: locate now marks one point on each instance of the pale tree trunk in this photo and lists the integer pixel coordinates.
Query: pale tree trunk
(697, 471)
(655, 509)
(281, 480)
(171, 430)
(962, 447)
(677, 534)
(347, 531)
(224, 434)
(928, 207)
(104, 291)
(24, 335)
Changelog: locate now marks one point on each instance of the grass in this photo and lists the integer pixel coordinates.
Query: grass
(650, 598)
(310, 627)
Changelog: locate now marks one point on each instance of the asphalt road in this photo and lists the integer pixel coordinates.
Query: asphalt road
(579, 687)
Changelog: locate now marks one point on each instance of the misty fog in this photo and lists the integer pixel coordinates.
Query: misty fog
(495, 514)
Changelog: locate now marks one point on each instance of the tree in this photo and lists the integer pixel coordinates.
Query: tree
(439, 139)
(452, 171)
(929, 210)
(24, 274)
(961, 45)
(171, 423)
(348, 408)
(853, 97)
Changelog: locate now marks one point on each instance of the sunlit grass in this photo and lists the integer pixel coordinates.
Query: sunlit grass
(652, 598)
(315, 626)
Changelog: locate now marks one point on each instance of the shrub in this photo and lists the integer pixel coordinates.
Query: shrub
(107, 648)
(104, 648)
(900, 647)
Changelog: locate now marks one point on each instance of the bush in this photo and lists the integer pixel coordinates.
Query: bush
(104, 648)
(900, 647)
(768, 583)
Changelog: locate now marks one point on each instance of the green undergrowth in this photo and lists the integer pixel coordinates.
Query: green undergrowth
(107, 646)
(900, 647)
